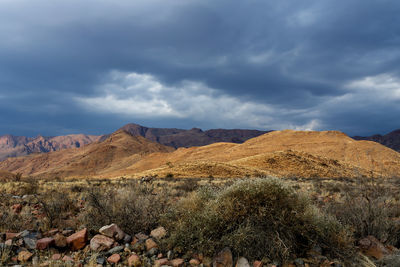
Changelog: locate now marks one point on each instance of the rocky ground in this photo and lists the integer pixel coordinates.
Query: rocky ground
(77, 245)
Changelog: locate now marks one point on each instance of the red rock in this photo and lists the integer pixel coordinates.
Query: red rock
(24, 256)
(44, 243)
(78, 240)
(194, 262)
(141, 236)
(257, 264)
(67, 258)
(52, 232)
(159, 233)
(160, 262)
(371, 246)
(8, 242)
(115, 258)
(134, 261)
(11, 235)
(223, 259)
(101, 242)
(56, 257)
(177, 262)
(159, 256)
(112, 231)
(150, 244)
(16, 208)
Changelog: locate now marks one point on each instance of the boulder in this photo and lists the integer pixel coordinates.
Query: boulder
(24, 256)
(242, 262)
(161, 262)
(158, 233)
(11, 236)
(134, 261)
(56, 257)
(177, 262)
(150, 244)
(114, 259)
(44, 243)
(223, 259)
(78, 240)
(101, 243)
(112, 231)
(257, 264)
(372, 247)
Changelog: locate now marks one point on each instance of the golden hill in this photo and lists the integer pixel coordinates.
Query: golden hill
(281, 153)
(119, 151)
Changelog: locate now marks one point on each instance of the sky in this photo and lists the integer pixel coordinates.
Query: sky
(73, 66)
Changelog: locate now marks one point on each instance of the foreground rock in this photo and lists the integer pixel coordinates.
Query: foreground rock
(101, 243)
(112, 231)
(372, 247)
(78, 240)
(223, 259)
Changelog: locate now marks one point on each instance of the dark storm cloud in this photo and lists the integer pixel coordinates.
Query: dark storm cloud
(287, 63)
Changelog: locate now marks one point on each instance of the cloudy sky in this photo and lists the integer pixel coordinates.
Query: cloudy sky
(72, 66)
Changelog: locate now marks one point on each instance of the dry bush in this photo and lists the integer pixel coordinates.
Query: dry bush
(134, 209)
(370, 209)
(256, 218)
(56, 206)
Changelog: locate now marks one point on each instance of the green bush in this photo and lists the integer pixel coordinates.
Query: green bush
(256, 218)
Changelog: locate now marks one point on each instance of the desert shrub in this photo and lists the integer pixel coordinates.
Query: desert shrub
(56, 207)
(255, 218)
(134, 209)
(188, 185)
(370, 209)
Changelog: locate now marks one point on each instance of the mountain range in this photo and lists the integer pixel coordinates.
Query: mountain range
(279, 153)
(15, 146)
(391, 139)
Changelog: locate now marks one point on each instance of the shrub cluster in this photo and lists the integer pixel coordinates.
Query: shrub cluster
(256, 218)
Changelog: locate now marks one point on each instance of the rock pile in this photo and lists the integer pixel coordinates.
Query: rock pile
(111, 246)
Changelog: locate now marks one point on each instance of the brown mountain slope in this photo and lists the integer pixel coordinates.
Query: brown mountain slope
(188, 138)
(280, 153)
(329, 153)
(391, 140)
(118, 151)
(15, 146)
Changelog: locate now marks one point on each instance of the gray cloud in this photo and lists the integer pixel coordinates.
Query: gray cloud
(294, 64)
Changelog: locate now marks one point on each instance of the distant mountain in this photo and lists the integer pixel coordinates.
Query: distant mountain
(119, 151)
(194, 137)
(15, 146)
(391, 140)
(280, 153)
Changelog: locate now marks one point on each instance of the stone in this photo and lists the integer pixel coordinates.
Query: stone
(177, 262)
(101, 243)
(115, 250)
(60, 240)
(141, 236)
(11, 236)
(56, 257)
(134, 261)
(24, 256)
(52, 232)
(127, 239)
(112, 231)
(67, 232)
(8, 243)
(30, 243)
(44, 243)
(257, 264)
(158, 233)
(114, 259)
(16, 208)
(194, 262)
(242, 262)
(152, 252)
(161, 262)
(78, 240)
(67, 258)
(101, 260)
(223, 259)
(372, 247)
(150, 243)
